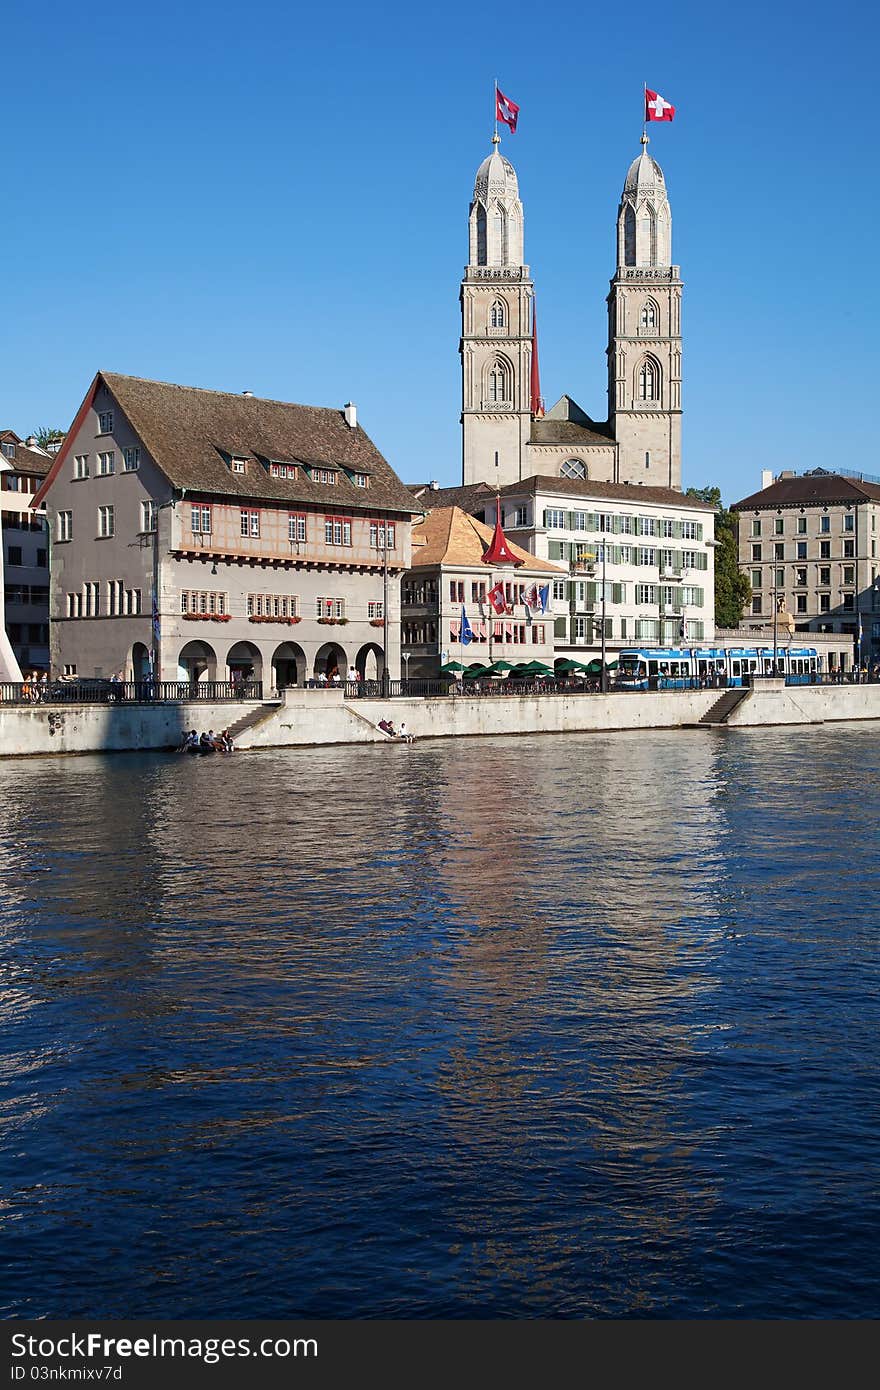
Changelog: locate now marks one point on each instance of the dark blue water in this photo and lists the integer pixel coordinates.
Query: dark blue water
(566, 1026)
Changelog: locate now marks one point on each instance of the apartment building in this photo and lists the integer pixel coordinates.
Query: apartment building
(809, 544)
(24, 557)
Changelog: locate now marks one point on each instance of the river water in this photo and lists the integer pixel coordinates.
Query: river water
(569, 1026)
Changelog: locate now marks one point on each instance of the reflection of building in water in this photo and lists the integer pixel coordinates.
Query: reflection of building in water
(574, 990)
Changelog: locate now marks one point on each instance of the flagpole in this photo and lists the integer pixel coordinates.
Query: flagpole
(495, 113)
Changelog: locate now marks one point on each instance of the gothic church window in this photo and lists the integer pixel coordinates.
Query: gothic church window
(499, 236)
(481, 236)
(649, 380)
(573, 468)
(497, 315)
(498, 379)
(648, 317)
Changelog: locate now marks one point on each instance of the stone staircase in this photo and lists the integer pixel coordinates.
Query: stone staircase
(723, 708)
(253, 718)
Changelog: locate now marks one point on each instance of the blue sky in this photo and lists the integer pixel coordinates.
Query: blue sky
(274, 198)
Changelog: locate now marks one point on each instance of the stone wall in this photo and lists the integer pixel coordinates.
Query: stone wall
(99, 728)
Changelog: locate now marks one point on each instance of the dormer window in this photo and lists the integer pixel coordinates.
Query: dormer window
(282, 470)
(237, 465)
(8, 449)
(324, 475)
(361, 479)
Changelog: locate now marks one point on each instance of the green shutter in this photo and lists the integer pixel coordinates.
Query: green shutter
(617, 593)
(700, 598)
(558, 550)
(560, 627)
(592, 521)
(702, 560)
(545, 518)
(676, 530)
(591, 591)
(699, 530)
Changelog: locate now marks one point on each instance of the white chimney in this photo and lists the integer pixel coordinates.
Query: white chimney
(351, 415)
(247, 393)
(434, 485)
(766, 478)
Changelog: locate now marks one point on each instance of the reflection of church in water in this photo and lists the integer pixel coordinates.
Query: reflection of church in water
(507, 436)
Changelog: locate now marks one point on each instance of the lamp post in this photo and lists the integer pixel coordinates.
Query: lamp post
(406, 656)
(603, 678)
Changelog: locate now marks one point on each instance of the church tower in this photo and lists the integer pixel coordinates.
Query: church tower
(644, 333)
(496, 345)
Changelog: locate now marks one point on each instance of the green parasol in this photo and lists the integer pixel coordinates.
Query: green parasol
(452, 666)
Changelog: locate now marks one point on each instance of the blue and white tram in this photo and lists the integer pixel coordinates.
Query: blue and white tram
(689, 668)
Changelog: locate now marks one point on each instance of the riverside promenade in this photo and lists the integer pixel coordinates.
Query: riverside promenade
(311, 718)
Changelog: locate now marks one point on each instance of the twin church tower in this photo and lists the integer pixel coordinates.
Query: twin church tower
(506, 434)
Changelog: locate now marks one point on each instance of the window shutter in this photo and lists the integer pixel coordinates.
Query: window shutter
(545, 518)
(700, 595)
(702, 561)
(699, 530)
(571, 523)
(615, 525)
(617, 593)
(678, 597)
(637, 525)
(592, 590)
(676, 530)
(558, 550)
(592, 521)
(560, 627)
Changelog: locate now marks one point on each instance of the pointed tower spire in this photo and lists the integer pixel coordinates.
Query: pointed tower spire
(537, 400)
(498, 551)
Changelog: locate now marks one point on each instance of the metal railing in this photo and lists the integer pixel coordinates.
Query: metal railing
(126, 692)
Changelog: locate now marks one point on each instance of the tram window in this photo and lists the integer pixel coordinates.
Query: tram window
(736, 670)
(652, 667)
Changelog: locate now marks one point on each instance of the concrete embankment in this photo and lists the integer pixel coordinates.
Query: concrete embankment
(310, 718)
(33, 729)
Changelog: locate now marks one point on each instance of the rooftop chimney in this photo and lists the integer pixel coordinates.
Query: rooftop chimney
(434, 485)
(247, 393)
(351, 415)
(766, 478)
(31, 441)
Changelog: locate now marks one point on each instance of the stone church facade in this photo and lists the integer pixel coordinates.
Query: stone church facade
(506, 435)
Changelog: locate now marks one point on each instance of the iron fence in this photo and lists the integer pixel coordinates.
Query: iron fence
(126, 692)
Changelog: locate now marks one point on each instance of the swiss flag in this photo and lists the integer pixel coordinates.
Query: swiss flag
(505, 109)
(497, 599)
(656, 107)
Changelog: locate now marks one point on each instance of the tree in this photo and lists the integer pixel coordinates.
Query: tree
(732, 589)
(46, 436)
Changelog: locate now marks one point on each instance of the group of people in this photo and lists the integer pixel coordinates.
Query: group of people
(210, 742)
(387, 727)
(34, 687)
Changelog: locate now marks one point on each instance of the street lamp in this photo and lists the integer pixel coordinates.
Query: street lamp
(406, 656)
(603, 679)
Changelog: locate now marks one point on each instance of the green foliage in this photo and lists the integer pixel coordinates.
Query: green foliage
(46, 436)
(732, 589)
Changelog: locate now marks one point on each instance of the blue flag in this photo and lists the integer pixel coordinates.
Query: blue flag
(544, 596)
(467, 632)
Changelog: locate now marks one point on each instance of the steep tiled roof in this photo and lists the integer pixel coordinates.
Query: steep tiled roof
(450, 536)
(810, 489)
(31, 461)
(188, 430)
(619, 492)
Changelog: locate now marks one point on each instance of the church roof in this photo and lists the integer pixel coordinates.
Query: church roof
(450, 536)
(496, 178)
(810, 489)
(644, 176)
(549, 431)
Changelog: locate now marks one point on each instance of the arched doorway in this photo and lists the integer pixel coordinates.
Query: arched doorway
(330, 659)
(370, 662)
(288, 665)
(244, 662)
(140, 662)
(196, 662)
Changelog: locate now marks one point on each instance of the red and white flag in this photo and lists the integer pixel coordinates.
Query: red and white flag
(497, 599)
(505, 109)
(656, 107)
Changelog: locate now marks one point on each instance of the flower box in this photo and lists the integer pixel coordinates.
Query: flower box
(377, 622)
(270, 618)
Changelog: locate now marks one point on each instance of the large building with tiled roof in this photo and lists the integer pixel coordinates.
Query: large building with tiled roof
(24, 558)
(506, 434)
(456, 562)
(809, 544)
(203, 535)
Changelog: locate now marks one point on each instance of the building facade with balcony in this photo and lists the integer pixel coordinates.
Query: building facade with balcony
(24, 558)
(809, 545)
(648, 552)
(200, 535)
(451, 577)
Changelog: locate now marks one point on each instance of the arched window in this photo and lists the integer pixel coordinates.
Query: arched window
(648, 317)
(481, 235)
(497, 383)
(498, 315)
(499, 235)
(648, 383)
(573, 468)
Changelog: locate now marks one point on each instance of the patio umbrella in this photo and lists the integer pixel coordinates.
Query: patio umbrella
(595, 667)
(501, 665)
(452, 666)
(539, 668)
(566, 664)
